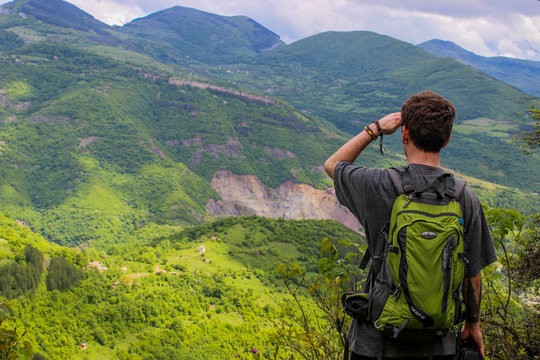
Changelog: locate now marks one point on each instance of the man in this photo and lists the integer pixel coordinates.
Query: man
(426, 121)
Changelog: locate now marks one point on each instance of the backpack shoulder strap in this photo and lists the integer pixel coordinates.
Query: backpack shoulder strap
(397, 175)
(460, 186)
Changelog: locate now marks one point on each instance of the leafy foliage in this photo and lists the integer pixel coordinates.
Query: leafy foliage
(531, 139)
(319, 332)
(511, 317)
(10, 340)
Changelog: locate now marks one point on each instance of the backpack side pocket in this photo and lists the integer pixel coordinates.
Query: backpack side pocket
(356, 305)
(380, 292)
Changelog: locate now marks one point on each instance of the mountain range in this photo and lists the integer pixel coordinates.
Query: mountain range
(107, 130)
(523, 74)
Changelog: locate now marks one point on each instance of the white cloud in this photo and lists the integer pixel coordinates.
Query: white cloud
(487, 27)
(110, 12)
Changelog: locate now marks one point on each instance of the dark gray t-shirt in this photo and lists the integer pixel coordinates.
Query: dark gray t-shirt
(369, 193)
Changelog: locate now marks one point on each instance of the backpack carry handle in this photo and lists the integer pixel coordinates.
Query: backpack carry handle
(436, 187)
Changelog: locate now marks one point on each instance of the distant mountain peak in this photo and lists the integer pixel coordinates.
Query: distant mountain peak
(201, 35)
(447, 48)
(58, 13)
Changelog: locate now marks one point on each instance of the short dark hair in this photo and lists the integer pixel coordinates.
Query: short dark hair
(429, 118)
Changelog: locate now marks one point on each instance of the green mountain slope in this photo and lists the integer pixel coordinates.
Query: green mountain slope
(93, 148)
(357, 75)
(99, 141)
(347, 78)
(353, 78)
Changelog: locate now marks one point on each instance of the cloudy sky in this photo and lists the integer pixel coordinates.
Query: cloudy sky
(487, 27)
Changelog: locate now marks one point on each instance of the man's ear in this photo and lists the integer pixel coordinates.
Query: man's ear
(404, 134)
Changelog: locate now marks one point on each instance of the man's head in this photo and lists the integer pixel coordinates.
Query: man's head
(429, 118)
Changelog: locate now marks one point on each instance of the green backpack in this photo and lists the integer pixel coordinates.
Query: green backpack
(416, 275)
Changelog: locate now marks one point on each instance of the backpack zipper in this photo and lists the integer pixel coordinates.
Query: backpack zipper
(446, 264)
(409, 199)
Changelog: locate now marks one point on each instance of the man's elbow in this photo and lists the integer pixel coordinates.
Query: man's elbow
(329, 166)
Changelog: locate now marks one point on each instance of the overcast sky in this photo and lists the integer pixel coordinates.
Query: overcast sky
(486, 27)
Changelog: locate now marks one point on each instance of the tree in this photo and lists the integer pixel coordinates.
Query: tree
(316, 329)
(511, 320)
(62, 274)
(17, 279)
(12, 346)
(528, 266)
(531, 139)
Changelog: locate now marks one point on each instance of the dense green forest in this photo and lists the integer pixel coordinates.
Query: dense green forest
(211, 290)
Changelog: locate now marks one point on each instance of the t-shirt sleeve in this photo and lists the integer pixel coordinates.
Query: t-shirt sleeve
(346, 179)
(367, 192)
(479, 244)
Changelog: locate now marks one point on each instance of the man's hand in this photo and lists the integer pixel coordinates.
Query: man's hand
(473, 331)
(389, 123)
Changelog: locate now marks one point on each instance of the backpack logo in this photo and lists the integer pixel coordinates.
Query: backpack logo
(428, 235)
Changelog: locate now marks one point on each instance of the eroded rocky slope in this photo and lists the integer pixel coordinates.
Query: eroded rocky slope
(247, 195)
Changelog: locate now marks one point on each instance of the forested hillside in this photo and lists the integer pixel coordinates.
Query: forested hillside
(209, 290)
(84, 132)
(354, 78)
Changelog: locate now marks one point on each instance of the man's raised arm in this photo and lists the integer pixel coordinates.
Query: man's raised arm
(352, 148)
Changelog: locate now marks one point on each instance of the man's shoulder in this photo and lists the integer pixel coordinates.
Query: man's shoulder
(348, 169)
(363, 180)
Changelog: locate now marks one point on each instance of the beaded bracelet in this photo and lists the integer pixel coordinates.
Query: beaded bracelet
(370, 133)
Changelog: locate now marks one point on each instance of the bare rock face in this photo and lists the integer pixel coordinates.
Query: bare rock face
(247, 195)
